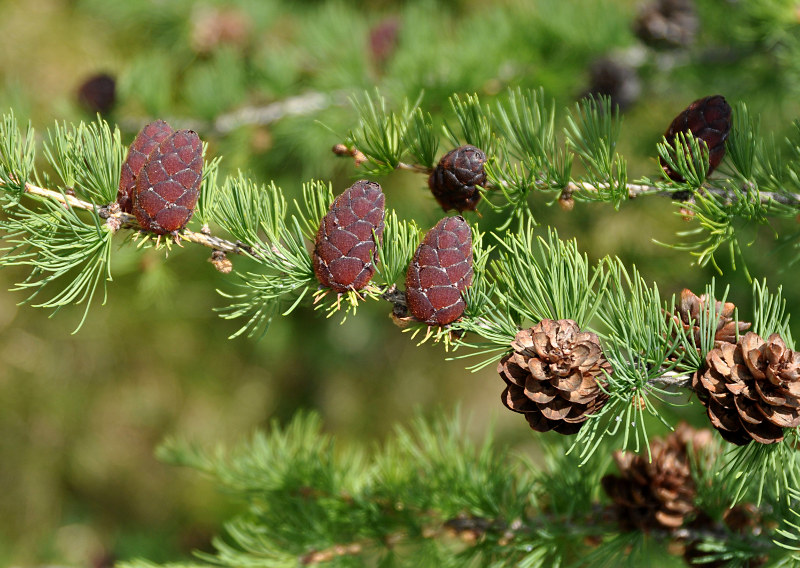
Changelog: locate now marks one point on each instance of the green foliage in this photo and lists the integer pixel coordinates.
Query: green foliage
(64, 252)
(207, 201)
(420, 139)
(306, 498)
(380, 135)
(520, 280)
(475, 124)
(17, 154)
(304, 494)
(317, 198)
(246, 211)
(400, 240)
(548, 278)
(790, 527)
(87, 158)
(528, 127)
(687, 156)
(742, 144)
(593, 132)
(769, 313)
(756, 469)
(636, 318)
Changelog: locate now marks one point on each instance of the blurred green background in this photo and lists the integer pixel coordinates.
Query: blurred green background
(81, 414)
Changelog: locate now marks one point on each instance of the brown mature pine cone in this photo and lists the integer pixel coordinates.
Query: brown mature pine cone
(142, 146)
(709, 120)
(553, 376)
(658, 493)
(455, 180)
(751, 390)
(168, 185)
(687, 315)
(667, 23)
(439, 272)
(345, 250)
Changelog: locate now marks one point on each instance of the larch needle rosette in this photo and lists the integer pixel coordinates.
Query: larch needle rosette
(440, 272)
(168, 185)
(346, 246)
(709, 120)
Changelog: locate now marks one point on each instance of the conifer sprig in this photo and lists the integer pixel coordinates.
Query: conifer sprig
(525, 158)
(66, 241)
(430, 495)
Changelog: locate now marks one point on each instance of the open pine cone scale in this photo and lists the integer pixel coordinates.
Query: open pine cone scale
(751, 389)
(552, 376)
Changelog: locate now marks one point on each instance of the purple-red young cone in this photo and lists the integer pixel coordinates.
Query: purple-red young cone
(345, 251)
(142, 146)
(168, 184)
(456, 179)
(709, 120)
(439, 272)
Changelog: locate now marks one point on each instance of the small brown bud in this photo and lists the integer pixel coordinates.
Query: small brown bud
(566, 202)
(341, 150)
(221, 262)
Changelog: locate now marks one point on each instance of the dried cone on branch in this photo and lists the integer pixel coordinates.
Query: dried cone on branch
(142, 146)
(751, 389)
(667, 23)
(439, 272)
(709, 120)
(553, 376)
(455, 180)
(168, 185)
(657, 493)
(345, 251)
(688, 316)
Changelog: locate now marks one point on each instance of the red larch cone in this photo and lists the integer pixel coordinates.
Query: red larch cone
(168, 185)
(456, 179)
(345, 250)
(440, 272)
(709, 120)
(142, 146)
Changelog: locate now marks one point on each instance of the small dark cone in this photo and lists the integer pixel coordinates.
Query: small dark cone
(751, 389)
(667, 23)
(709, 120)
(655, 494)
(456, 179)
(168, 185)
(553, 376)
(440, 272)
(383, 40)
(345, 251)
(143, 145)
(618, 81)
(98, 93)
